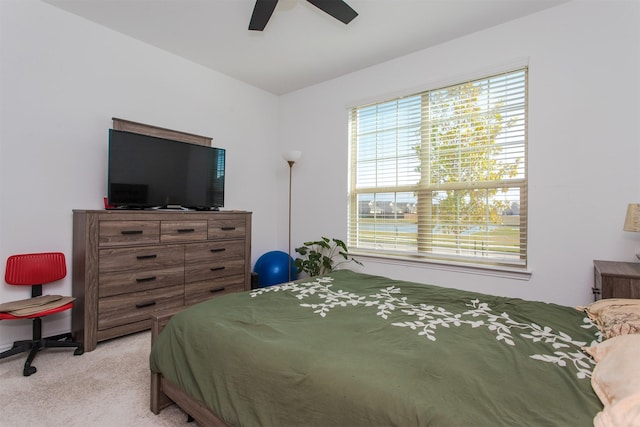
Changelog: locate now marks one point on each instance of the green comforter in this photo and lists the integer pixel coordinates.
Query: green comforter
(350, 349)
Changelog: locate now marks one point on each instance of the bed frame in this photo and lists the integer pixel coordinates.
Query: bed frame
(164, 393)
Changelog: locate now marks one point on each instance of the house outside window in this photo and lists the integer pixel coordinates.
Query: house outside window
(441, 176)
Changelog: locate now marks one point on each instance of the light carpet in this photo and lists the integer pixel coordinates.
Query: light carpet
(106, 387)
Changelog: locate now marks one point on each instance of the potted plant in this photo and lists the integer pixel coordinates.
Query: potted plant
(319, 257)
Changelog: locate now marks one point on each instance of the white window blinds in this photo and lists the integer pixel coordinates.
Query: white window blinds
(443, 174)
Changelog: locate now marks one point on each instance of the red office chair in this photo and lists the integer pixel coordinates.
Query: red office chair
(36, 270)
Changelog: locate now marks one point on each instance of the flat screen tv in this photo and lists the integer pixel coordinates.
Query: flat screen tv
(149, 172)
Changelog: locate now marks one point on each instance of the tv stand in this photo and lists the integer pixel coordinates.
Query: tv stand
(174, 208)
(127, 265)
(170, 208)
(124, 208)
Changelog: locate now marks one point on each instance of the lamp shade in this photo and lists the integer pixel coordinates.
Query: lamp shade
(632, 220)
(292, 155)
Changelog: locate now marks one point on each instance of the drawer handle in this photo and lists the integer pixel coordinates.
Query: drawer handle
(227, 228)
(186, 230)
(218, 250)
(128, 232)
(146, 279)
(146, 256)
(596, 291)
(216, 268)
(145, 304)
(216, 290)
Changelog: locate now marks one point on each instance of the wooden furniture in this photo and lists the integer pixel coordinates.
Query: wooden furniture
(145, 129)
(164, 393)
(130, 264)
(614, 279)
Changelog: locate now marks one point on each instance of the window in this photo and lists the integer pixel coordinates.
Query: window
(442, 175)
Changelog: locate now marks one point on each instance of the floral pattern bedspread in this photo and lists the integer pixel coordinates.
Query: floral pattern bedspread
(351, 349)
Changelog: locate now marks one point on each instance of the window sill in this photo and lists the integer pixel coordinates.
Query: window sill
(485, 270)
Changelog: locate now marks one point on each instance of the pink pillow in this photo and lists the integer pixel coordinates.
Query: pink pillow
(616, 380)
(626, 412)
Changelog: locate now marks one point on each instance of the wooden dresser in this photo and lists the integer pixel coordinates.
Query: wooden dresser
(614, 279)
(129, 264)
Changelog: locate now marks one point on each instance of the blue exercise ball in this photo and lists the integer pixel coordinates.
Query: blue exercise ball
(272, 267)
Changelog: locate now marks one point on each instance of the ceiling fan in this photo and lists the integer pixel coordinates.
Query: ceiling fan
(263, 10)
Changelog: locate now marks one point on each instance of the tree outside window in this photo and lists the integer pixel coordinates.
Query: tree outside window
(442, 174)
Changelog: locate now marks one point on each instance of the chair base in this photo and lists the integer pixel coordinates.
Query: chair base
(34, 346)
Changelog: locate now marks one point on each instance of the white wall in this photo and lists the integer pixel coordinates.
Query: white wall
(583, 141)
(62, 80)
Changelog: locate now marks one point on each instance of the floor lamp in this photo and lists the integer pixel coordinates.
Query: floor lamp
(291, 157)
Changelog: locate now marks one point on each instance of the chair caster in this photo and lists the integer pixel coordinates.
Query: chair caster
(29, 371)
(79, 351)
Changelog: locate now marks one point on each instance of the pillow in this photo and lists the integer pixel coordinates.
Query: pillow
(615, 316)
(616, 380)
(617, 372)
(626, 412)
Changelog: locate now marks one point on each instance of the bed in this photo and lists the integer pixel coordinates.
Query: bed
(352, 349)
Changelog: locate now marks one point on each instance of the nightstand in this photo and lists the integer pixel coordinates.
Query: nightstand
(613, 279)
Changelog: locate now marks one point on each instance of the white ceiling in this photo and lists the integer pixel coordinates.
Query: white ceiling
(301, 45)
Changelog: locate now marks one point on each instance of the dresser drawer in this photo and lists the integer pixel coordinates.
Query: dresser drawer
(131, 281)
(215, 251)
(118, 233)
(213, 270)
(201, 291)
(137, 306)
(140, 258)
(183, 231)
(226, 229)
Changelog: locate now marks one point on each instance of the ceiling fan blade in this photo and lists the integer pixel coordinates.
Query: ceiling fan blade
(262, 11)
(336, 8)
